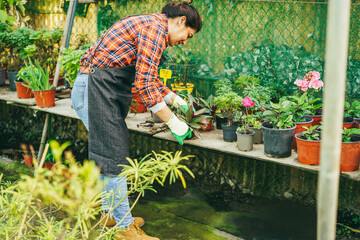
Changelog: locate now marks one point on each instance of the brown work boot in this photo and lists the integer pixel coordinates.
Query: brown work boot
(133, 233)
(109, 221)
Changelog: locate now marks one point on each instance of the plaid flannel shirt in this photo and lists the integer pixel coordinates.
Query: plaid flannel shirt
(136, 40)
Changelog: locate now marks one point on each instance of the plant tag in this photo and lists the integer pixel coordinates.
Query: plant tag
(165, 74)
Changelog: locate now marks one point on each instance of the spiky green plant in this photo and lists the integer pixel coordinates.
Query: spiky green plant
(63, 203)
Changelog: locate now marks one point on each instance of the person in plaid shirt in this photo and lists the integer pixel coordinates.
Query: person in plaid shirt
(128, 54)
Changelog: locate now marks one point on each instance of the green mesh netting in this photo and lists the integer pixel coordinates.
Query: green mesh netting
(276, 41)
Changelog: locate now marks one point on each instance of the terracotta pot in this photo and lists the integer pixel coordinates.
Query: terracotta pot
(28, 160)
(49, 165)
(308, 151)
(60, 81)
(299, 128)
(45, 98)
(348, 122)
(137, 105)
(350, 156)
(208, 126)
(22, 91)
(316, 119)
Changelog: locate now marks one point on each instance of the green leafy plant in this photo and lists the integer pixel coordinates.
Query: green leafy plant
(245, 127)
(311, 133)
(35, 77)
(63, 203)
(347, 134)
(229, 104)
(300, 106)
(182, 63)
(45, 48)
(196, 120)
(253, 120)
(12, 44)
(275, 66)
(208, 104)
(13, 12)
(245, 81)
(353, 109)
(260, 95)
(70, 62)
(280, 115)
(223, 86)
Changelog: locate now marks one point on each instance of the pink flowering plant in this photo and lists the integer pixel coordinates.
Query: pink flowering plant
(306, 103)
(310, 81)
(247, 103)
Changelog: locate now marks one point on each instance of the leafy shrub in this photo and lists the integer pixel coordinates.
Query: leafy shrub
(63, 203)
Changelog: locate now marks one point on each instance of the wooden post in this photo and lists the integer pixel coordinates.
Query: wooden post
(69, 16)
(337, 37)
(66, 35)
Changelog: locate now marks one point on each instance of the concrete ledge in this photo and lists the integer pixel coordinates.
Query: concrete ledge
(210, 141)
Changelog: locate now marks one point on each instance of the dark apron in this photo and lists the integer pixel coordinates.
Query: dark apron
(109, 101)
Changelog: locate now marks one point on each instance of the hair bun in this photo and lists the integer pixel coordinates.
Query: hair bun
(188, 1)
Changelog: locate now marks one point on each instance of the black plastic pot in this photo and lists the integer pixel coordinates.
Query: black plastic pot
(2, 76)
(220, 121)
(277, 142)
(229, 132)
(12, 75)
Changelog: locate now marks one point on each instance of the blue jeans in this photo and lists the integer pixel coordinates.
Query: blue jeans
(117, 187)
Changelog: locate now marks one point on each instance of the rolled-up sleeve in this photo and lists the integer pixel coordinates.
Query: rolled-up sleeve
(150, 46)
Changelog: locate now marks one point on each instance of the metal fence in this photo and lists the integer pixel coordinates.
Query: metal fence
(276, 41)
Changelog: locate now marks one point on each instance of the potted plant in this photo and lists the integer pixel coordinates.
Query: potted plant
(300, 107)
(260, 95)
(137, 104)
(310, 84)
(49, 160)
(45, 49)
(38, 80)
(353, 111)
(196, 120)
(22, 89)
(70, 63)
(255, 120)
(245, 136)
(182, 64)
(308, 145)
(210, 106)
(279, 130)
(229, 104)
(350, 150)
(28, 158)
(222, 87)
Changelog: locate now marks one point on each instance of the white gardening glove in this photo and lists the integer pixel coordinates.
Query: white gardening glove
(177, 126)
(179, 102)
(179, 129)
